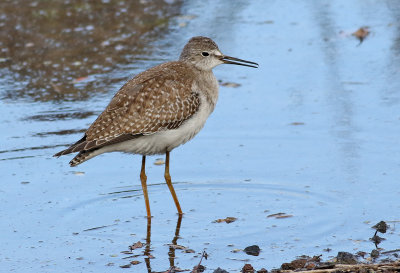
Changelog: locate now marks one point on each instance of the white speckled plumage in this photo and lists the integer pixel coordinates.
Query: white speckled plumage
(163, 140)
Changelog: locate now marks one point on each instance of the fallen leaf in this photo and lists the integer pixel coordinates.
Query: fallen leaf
(280, 215)
(177, 246)
(361, 33)
(284, 216)
(297, 123)
(227, 220)
(136, 245)
(159, 161)
(229, 84)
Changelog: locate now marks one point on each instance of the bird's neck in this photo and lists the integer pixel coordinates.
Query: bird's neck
(208, 85)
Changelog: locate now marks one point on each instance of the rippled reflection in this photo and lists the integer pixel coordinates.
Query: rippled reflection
(147, 253)
(48, 48)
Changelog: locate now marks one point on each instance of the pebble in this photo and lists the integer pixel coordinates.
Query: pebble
(247, 268)
(253, 250)
(346, 258)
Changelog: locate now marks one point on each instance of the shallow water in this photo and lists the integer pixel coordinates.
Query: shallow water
(312, 133)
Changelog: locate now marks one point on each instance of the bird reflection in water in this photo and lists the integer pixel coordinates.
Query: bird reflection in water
(172, 246)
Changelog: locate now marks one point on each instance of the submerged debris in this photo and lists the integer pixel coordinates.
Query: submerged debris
(136, 245)
(361, 33)
(280, 215)
(200, 268)
(227, 220)
(229, 84)
(296, 123)
(176, 246)
(159, 161)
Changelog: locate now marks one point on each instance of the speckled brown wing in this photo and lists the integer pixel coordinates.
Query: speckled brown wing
(155, 100)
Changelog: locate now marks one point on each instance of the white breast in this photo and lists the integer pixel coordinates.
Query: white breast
(160, 142)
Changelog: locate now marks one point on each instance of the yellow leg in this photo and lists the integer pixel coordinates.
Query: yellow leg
(143, 179)
(169, 183)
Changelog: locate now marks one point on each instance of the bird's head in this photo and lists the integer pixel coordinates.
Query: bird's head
(204, 54)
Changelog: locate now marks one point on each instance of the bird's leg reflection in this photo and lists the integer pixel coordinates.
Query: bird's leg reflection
(171, 252)
(147, 249)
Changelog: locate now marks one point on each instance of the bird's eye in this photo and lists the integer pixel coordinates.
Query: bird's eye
(205, 54)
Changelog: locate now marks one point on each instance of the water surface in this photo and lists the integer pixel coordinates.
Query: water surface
(313, 133)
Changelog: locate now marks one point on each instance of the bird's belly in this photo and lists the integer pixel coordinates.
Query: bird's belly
(160, 142)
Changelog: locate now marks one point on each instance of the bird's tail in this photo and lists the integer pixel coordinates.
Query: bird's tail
(82, 157)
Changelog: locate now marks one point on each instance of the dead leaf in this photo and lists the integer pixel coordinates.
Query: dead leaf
(361, 33)
(297, 123)
(159, 161)
(177, 246)
(136, 245)
(280, 215)
(229, 84)
(135, 262)
(227, 220)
